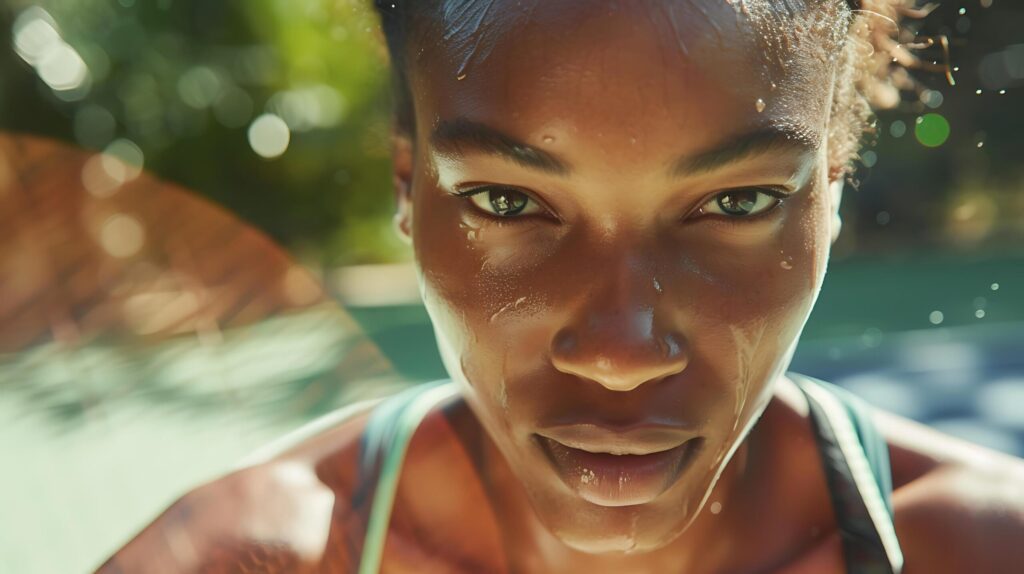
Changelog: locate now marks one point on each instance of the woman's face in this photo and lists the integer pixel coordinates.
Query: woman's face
(621, 216)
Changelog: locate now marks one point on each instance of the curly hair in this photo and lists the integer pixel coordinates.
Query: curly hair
(871, 69)
(872, 73)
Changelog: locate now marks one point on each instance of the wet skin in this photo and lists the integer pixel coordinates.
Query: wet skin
(623, 296)
(667, 221)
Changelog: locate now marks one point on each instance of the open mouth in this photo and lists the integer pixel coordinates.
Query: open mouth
(617, 475)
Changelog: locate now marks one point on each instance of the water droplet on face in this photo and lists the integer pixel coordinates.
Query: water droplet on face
(657, 285)
(716, 507)
(786, 265)
(548, 139)
(760, 105)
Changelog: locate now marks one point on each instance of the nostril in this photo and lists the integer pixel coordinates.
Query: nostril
(670, 346)
(565, 343)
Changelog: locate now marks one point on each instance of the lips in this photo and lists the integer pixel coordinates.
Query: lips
(618, 467)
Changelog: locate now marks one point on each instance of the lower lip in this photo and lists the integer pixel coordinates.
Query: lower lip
(619, 480)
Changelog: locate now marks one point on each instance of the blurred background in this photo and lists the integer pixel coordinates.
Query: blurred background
(196, 253)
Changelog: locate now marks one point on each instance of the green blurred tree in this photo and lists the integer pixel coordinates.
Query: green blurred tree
(183, 81)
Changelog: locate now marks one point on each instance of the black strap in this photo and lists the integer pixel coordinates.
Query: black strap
(863, 549)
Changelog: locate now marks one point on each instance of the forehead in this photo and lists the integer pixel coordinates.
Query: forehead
(599, 69)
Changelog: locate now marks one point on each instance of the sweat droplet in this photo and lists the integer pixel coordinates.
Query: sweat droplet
(760, 105)
(716, 507)
(786, 265)
(657, 286)
(548, 139)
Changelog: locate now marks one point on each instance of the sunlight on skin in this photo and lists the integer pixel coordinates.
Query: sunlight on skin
(610, 219)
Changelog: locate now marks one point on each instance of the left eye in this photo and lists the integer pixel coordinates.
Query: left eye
(738, 203)
(504, 202)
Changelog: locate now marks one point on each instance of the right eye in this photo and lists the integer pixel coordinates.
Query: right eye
(503, 202)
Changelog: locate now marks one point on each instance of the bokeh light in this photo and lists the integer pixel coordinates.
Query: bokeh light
(122, 235)
(269, 136)
(932, 130)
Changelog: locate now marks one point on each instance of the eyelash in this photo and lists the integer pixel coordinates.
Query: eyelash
(779, 194)
(469, 194)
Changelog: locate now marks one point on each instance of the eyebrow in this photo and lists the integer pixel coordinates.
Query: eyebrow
(751, 144)
(462, 135)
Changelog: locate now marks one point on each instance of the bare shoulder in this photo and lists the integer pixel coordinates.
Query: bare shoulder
(959, 507)
(273, 515)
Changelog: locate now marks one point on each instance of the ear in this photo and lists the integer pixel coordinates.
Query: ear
(835, 190)
(401, 181)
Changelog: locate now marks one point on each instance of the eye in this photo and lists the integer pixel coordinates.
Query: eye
(503, 201)
(742, 203)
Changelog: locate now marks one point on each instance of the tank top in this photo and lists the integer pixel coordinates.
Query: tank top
(853, 453)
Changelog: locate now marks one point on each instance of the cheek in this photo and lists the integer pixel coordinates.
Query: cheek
(749, 297)
(479, 285)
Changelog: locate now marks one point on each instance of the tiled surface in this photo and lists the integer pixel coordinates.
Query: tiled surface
(968, 382)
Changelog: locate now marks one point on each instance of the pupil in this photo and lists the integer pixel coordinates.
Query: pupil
(739, 202)
(507, 202)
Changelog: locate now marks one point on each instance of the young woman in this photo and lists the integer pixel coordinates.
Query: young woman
(621, 213)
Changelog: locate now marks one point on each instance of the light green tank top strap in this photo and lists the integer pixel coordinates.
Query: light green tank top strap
(385, 441)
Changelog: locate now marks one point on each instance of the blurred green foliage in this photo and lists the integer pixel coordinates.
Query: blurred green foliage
(183, 81)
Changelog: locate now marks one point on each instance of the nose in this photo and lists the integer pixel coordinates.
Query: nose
(617, 342)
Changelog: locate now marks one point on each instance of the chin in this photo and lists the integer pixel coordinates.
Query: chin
(622, 542)
(595, 529)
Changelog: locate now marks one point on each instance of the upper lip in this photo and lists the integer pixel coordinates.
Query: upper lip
(639, 439)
